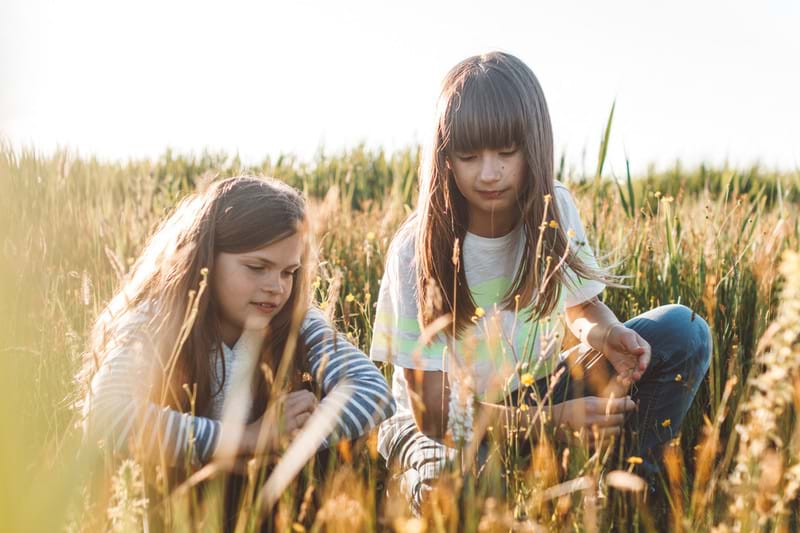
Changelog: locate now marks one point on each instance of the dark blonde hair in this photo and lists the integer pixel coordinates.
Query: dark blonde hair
(490, 101)
(234, 215)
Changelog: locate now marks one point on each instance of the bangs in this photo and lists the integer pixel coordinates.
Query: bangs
(258, 213)
(261, 234)
(486, 112)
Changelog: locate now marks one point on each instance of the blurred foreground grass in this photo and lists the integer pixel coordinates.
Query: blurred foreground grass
(708, 238)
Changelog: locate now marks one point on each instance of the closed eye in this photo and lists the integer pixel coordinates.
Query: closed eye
(255, 268)
(465, 157)
(508, 152)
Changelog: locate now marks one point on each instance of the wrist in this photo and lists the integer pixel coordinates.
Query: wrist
(599, 335)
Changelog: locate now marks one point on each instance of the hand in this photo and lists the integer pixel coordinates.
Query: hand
(627, 351)
(286, 416)
(593, 413)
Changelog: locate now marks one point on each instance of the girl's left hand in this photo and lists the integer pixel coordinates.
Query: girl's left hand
(627, 351)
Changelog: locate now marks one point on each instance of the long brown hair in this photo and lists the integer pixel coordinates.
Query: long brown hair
(167, 283)
(490, 101)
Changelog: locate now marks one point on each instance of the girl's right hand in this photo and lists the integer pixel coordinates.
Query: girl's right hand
(604, 414)
(297, 409)
(284, 418)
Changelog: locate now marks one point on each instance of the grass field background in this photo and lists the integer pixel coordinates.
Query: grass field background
(710, 238)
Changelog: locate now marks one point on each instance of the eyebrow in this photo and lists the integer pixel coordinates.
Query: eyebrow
(268, 262)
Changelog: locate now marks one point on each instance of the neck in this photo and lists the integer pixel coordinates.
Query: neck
(230, 333)
(491, 224)
(233, 336)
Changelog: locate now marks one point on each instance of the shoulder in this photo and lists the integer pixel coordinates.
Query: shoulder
(562, 192)
(403, 245)
(119, 325)
(313, 321)
(401, 258)
(564, 200)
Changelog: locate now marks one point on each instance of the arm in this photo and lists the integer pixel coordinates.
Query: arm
(118, 412)
(597, 326)
(429, 395)
(334, 359)
(430, 400)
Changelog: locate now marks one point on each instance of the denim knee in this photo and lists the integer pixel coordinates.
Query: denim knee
(704, 342)
(679, 337)
(689, 334)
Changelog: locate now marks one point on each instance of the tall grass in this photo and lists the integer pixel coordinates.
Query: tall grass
(708, 238)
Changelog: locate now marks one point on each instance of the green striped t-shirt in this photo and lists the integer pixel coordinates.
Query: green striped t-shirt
(501, 343)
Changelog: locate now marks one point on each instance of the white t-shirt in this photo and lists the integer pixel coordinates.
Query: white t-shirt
(502, 342)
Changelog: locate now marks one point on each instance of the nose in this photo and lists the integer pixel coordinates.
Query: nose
(272, 283)
(490, 167)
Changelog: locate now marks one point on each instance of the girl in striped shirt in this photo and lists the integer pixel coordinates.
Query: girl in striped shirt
(214, 318)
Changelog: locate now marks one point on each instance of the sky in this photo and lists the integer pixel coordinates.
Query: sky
(700, 81)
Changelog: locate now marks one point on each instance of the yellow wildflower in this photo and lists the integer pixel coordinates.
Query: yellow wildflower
(527, 379)
(571, 233)
(371, 235)
(547, 197)
(553, 224)
(666, 423)
(634, 460)
(350, 298)
(523, 407)
(479, 312)
(678, 378)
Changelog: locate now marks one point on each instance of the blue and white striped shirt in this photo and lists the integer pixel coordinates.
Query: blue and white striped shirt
(118, 410)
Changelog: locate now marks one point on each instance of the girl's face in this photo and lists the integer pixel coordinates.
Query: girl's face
(490, 180)
(252, 287)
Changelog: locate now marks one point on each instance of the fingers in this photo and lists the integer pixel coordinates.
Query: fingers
(607, 421)
(300, 420)
(593, 414)
(298, 409)
(299, 402)
(599, 434)
(644, 352)
(635, 345)
(612, 431)
(612, 405)
(644, 360)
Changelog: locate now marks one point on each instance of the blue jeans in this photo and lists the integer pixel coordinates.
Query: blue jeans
(681, 353)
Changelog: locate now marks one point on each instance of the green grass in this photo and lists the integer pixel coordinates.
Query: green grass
(710, 238)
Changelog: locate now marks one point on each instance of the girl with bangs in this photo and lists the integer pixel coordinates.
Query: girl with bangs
(216, 311)
(479, 276)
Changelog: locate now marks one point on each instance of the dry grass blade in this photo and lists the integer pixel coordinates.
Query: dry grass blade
(568, 487)
(308, 441)
(237, 405)
(622, 480)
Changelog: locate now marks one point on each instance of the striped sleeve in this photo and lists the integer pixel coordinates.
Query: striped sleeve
(333, 360)
(118, 413)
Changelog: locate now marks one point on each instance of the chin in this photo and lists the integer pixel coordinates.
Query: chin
(256, 322)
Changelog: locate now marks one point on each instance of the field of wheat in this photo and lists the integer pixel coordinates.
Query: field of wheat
(722, 241)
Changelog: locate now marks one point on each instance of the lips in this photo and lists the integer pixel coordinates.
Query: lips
(492, 194)
(265, 307)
